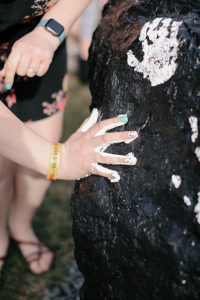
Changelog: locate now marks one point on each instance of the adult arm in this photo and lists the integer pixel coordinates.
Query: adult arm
(35, 50)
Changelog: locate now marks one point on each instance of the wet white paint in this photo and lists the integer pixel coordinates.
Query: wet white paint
(128, 159)
(111, 126)
(194, 126)
(92, 120)
(193, 244)
(176, 180)
(187, 200)
(115, 175)
(197, 208)
(197, 152)
(104, 146)
(160, 47)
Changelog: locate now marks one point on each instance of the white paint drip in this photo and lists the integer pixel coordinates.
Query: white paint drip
(197, 208)
(197, 152)
(176, 180)
(131, 159)
(187, 200)
(92, 120)
(160, 47)
(115, 175)
(193, 244)
(194, 126)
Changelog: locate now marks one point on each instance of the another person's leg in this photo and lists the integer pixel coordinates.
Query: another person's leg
(6, 195)
(30, 190)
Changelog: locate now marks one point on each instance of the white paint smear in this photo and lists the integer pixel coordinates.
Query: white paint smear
(111, 126)
(176, 180)
(160, 47)
(131, 159)
(194, 126)
(104, 146)
(187, 200)
(130, 156)
(197, 208)
(197, 152)
(103, 170)
(92, 120)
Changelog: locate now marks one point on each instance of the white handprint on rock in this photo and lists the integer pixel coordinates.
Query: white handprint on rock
(160, 47)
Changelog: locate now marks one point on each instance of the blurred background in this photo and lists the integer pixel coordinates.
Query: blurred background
(53, 222)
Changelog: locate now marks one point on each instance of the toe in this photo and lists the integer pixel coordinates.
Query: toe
(46, 260)
(35, 267)
(43, 263)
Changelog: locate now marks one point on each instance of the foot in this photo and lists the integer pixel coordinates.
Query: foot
(38, 257)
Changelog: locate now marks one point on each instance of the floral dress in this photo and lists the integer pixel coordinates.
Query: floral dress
(30, 99)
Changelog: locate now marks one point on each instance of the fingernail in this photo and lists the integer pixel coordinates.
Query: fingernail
(133, 134)
(8, 86)
(115, 177)
(131, 159)
(124, 119)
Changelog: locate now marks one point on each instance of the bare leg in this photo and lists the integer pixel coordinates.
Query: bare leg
(6, 194)
(30, 190)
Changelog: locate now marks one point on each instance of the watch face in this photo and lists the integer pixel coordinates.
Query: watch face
(54, 27)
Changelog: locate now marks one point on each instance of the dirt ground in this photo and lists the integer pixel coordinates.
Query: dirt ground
(53, 220)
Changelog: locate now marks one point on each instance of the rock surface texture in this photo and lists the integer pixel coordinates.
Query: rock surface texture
(139, 239)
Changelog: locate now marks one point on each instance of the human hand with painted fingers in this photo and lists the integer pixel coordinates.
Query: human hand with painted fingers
(84, 150)
(31, 55)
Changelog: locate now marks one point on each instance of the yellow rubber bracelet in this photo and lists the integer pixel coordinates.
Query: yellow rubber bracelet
(54, 162)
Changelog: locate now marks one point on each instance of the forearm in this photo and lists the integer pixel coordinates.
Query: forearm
(22, 145)
(66, 12)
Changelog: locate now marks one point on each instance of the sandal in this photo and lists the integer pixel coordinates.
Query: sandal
(35, 256)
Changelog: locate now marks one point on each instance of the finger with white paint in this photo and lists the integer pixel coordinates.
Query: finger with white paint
(104, 141)
(102, 171)
(115, 159)
(91, 121)
(102, 127)
(84, 150)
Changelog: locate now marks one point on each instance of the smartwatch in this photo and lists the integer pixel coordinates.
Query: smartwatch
(54, 28)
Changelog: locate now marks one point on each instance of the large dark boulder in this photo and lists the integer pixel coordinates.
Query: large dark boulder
(140, 238)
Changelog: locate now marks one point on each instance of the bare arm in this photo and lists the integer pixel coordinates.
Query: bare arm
(80, 153)
(22, 145)
(35, 50)
(66, 12)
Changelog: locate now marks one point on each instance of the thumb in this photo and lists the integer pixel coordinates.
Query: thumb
(91, 121)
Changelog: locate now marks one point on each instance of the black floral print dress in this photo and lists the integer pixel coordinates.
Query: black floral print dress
(30, 99)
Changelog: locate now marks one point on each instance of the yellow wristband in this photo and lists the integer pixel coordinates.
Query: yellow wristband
(54, 162)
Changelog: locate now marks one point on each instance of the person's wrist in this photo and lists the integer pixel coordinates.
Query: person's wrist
(50, 38)
(63, 159)
(54, 161)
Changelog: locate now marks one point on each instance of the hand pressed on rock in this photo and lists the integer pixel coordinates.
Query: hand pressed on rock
(82, 152)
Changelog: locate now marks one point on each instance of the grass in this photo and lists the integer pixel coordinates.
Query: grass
(52, 222)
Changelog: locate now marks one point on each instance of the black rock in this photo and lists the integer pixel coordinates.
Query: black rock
(139, 239)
